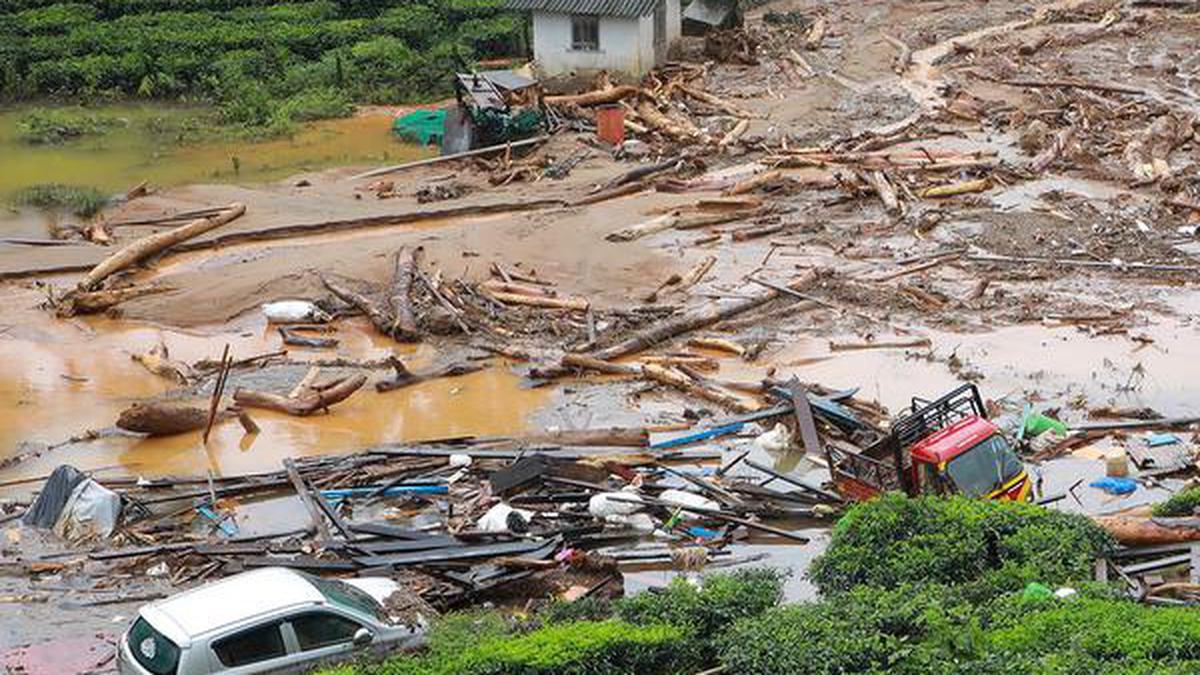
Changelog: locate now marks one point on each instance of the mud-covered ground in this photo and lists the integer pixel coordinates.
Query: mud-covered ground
(1066, 282)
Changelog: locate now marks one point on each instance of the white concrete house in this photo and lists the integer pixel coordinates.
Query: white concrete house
(581, 36)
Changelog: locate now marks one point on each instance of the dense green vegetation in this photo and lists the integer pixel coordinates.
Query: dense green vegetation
(264, 64)
(1182, 504)
(908, 587)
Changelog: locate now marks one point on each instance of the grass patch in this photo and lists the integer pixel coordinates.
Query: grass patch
(84, 202)
(53, 126)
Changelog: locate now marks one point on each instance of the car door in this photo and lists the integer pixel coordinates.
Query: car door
(258, 649)
(322, 635)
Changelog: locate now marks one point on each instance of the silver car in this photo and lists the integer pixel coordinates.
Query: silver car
(272, 620)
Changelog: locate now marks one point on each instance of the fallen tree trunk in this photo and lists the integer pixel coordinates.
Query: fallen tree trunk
(306, 403)
(608, 367)
(594, 97)
(574, 304)
(380, 317)
(714, 101)
(404, 324)
(1135, 531)
(634, 437)
(959, 188)
(644, 228)
(145, 247)
(697, 317)
(94, 302)
(162, 418)
(406, 378)
(661, 122)
(685, 384)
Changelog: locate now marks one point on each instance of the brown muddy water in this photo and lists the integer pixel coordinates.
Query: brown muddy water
(61, 378)
(139, 150)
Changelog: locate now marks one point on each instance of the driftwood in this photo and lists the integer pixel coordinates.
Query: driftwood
(581, 362)
(631, 437)
(611, 193)
(598, 97)
(1135, 531)
(754, 182)
(1053, 150)
(379, 316)
(293, 338)
(697, 220)
(887, 193)
(687, 385)
(404, 324)
(145, 247)
(714, 101)
(307, 403)
(574, 304)
(406, 378)
(644, 228)
(718, 344)
(494, 285)
(734, 133)
(698, 271)
(93, 302)
(696, 318)
(959, 188)
(664, 124)
(156, 418)
(158, 361)
(756, 231)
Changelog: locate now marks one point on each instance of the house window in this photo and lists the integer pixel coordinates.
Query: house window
(585, 33)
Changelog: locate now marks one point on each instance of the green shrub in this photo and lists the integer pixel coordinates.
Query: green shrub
(1182, 503)
(705, 611)
(582, 648)
(84, 202)
(585, 609)
(42, 126)
(984, 547)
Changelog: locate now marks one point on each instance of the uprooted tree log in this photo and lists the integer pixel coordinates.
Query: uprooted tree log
(406, 378)
(404, 323)
(161, 418)
(687, 385)
(598, 97)
(317, 398)
(696, 318)
(94, 302)
(145, 247)
(379, 316)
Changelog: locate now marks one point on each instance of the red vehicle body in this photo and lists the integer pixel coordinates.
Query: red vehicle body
(947, 446)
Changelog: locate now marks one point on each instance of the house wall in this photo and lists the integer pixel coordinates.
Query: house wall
(620, 47)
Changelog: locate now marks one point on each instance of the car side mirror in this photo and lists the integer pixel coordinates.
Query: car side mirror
(363, 637)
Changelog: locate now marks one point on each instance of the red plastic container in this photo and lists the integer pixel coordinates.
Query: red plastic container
(610, 124)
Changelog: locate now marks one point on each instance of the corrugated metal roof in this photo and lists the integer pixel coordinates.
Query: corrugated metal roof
(711, 12)
(601, 7)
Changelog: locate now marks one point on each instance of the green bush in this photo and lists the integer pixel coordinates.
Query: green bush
(582, 648)
(985, 548)
(84, 202)
(48, 126)
(705, 611)
(1182, 503)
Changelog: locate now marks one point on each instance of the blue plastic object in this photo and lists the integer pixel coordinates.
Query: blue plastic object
(697, 436)
(1115, 486)
(1156, 440)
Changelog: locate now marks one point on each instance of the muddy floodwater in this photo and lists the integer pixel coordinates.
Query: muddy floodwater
(136, 149)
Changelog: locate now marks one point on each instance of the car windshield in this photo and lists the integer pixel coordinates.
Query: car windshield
(348, 597)
(151, 649)
(984, 468)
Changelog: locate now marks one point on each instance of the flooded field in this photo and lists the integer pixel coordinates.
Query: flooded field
(143, 147)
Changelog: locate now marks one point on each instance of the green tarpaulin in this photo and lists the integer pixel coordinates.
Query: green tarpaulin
(421, 126)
